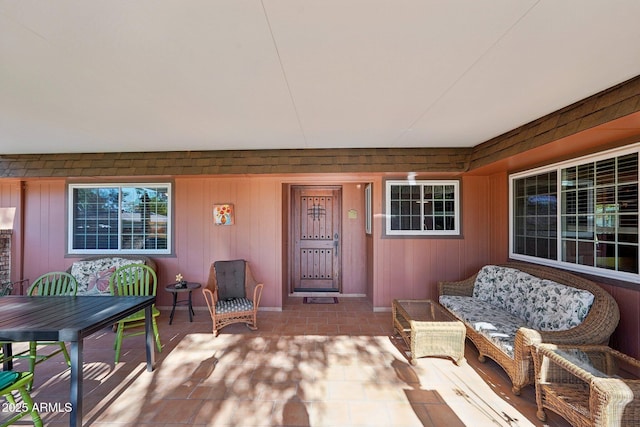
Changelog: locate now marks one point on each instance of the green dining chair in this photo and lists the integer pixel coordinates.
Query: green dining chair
(134, 280)
(5, 289)
(10, 382)
(56, 283)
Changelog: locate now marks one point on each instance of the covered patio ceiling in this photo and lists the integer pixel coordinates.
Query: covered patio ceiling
(163, 75)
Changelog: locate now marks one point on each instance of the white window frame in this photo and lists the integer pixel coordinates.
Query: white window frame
(422, 183)
(70, 218)
(558, 167)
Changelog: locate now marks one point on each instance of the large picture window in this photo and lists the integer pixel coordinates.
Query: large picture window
(119, 218)
(582, 215)
(423, 207)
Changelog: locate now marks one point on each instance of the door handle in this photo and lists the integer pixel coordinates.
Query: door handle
(336, 243)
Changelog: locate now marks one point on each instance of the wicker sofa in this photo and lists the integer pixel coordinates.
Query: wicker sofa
(93, 273)
(508, 308)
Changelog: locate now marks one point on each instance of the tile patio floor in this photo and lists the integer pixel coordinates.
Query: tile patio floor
(309, 365)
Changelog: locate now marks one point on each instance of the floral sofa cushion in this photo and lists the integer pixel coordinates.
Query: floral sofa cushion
(517, 296)
(544, 304)
(557, 307)
(496, 324)
(493, 283)
(92, 275)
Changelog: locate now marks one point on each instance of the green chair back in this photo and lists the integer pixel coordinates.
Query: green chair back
(6, 289)
(133, 280)
(54, 283)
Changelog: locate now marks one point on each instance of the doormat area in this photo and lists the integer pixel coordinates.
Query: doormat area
(320, 300)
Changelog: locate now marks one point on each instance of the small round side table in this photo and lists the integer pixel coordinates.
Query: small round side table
(189, 287)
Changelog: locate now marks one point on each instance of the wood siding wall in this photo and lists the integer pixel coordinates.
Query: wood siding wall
(257, 234)
(406, 267)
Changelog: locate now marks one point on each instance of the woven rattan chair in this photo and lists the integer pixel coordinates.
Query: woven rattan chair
(589, 386)
(129, 280)
(232, 295)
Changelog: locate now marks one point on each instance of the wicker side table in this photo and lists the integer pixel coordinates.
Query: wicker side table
(428, 329)
(587, 385)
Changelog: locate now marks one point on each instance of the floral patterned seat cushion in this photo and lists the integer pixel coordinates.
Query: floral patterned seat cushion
(88, 272)
(498, 325)
(233, 305)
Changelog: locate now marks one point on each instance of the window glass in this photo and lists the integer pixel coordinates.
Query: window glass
(119, 218)
(596, 227)
(535, 210)
(423, 208)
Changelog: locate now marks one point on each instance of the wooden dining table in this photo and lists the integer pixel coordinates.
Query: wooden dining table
(71, 319)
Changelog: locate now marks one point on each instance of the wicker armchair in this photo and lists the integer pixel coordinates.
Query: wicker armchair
(589, 386)
(232, 295)
(597, 327)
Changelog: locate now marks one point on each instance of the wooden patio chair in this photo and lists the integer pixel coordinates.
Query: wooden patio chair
(11, 382)
(232, 295)
(138, 280)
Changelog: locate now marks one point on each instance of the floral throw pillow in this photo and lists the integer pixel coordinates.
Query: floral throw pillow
(99, 282)
(83, 270)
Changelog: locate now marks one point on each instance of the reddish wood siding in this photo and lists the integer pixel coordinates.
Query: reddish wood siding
(412, 267)
(498, 217)
(255, 236)
(354, 256)
(626, 338)
(45, 227)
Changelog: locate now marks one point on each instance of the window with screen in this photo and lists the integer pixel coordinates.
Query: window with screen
(119, 218)
(425, 207)
(582, 214)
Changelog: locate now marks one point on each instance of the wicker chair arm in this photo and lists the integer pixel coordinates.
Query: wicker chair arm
(460, 288)
(257, 294)
(614, 401)
(210, 298)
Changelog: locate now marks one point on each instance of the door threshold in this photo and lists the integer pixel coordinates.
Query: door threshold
(315, 294)
(325, 294)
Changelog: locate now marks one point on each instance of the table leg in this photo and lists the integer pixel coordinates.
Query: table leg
(191, 313)
(173, 310)
(148, 331)
(7, 354)
(76, 383)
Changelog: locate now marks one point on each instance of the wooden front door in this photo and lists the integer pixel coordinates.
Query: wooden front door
(316, 234)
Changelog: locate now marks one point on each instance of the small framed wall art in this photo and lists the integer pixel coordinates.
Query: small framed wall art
(223, 214)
